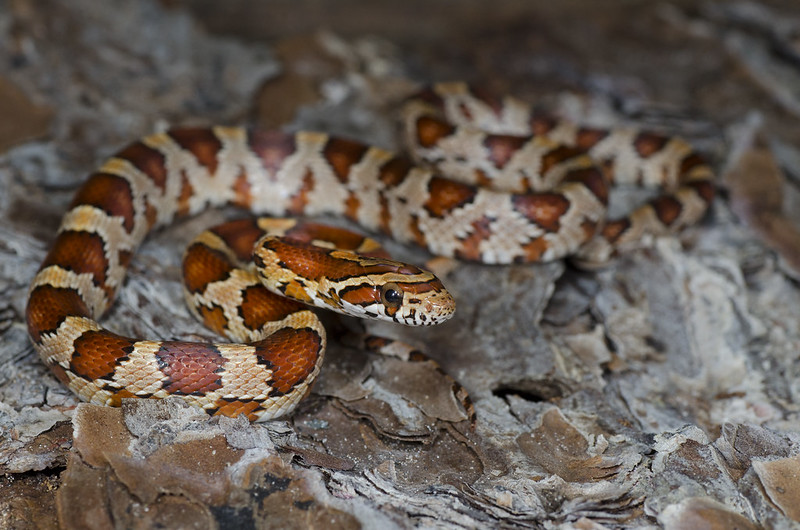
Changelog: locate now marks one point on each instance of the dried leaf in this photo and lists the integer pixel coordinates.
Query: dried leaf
(22, 119)
(781, 481)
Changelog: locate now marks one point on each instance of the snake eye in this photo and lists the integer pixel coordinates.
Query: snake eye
(391, 295)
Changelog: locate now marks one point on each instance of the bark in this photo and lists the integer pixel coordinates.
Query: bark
(661, 390)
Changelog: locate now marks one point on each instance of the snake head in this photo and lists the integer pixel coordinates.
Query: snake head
(392, 291)
(413, 296)
(352, 284)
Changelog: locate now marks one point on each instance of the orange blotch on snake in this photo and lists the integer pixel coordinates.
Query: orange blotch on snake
(213, 318)
(240, 235)
(271, 147)
(190, 367)
(97, 353)
(203, 265)
(385, 216)
(110, 193)
(48, 306)
(299, 200)
(80, 252)
(202, 143)
(544, 209)
(187, 191)
(260, 306)
(593, 179)
(482, 179)
(416, 231)
(296, 291)
(242, 190)
(534, 249)
(556, 156)
(237, 408)
(690, 162)
(586, 137)
(704, 188)
(292, 354)
(647, 144)
(394, 171)
(430, 130)
(124, 258)
(374, 343)
(470, 248)
(116, 398)
(447, 195)
(59, 372)
(489, 98)
(146, 159)
(589, 229)
(541, 124)
(667, 209)
(614, 229)
(150, 213)
(341, 155)
(502, 148)
(351, 206)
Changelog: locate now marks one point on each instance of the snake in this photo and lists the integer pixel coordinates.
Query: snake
(488, 180)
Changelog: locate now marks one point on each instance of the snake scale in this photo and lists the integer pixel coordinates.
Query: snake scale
(491, 182)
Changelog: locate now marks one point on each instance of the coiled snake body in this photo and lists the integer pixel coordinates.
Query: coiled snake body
(493, 184)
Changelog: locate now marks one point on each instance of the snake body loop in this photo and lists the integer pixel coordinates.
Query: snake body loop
(492, 183)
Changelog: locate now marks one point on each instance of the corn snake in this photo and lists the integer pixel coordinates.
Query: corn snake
(528, 189)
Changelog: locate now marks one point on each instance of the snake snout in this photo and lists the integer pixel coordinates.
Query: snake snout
(441, 308)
